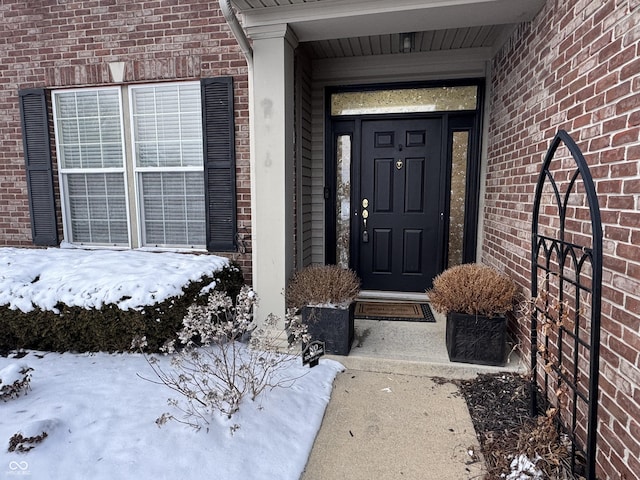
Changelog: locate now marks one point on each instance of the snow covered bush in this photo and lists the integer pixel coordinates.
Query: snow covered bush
(32, 433)
(221, 358)
(108, 328)
(14, 380)
(20, 443)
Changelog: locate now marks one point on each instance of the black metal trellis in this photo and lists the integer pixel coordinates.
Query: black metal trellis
(567, 260)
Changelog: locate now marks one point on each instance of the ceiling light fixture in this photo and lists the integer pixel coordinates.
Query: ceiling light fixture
(407, 42)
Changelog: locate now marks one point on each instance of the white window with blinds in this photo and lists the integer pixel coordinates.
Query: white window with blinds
(160, 164)
(167, 149)
(91, 160)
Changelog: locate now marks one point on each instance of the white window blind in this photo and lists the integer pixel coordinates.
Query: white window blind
(164, 160)
(173, 205)
(167, 143)
(91, 163)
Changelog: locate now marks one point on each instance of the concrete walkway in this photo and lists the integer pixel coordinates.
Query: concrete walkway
(393, 413)
(382, 426)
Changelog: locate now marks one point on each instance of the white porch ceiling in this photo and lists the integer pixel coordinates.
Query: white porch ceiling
(248, 4)
(338, 28)
(387, 44)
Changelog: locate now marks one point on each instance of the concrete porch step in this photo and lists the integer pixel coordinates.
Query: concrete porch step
(412, 348)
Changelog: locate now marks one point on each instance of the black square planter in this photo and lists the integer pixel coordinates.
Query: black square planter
(476, 339)
(332, 326)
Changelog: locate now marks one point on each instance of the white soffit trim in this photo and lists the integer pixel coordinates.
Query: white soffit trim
(463, 63)
(328, 19)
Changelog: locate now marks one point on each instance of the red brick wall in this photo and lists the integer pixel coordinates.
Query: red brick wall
(576, 67)
(63, 44)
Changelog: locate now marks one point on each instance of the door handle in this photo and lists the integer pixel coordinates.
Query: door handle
(365, 216)
(365, 212)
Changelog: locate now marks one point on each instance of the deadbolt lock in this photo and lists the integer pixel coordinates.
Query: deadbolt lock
(365, 202)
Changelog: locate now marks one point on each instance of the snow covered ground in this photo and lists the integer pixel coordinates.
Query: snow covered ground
(99, 415)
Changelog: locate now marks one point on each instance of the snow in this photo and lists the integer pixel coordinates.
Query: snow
(130, 279)
(522, 468)
(337, 306)
(99, 416)
(12, 373)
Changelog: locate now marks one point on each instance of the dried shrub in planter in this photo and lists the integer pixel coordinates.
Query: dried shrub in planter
(473, 288)
(323, 285)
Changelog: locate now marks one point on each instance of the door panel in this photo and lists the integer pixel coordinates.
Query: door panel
(413, 251)
(400, 240)
(382, 243)
(414, 185)
(383, 185)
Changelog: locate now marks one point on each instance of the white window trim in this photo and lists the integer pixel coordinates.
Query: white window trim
(129, 170)
(64, 198)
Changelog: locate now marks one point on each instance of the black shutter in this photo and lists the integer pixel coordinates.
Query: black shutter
(37, 153)
(219, 163)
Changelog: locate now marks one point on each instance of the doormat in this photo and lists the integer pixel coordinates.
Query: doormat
(407, 312)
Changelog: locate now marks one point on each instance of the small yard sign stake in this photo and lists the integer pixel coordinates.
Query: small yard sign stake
(312, 352)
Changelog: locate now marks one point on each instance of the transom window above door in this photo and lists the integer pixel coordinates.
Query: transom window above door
(405, 100)
(141, 189)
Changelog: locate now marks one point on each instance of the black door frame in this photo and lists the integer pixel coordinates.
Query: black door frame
(452, 121)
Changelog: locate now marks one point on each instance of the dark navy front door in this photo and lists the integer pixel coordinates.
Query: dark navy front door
(401, 200)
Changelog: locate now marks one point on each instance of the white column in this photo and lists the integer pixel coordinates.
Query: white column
(272, 170)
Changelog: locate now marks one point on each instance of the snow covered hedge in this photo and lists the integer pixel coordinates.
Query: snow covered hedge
(52, 319)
